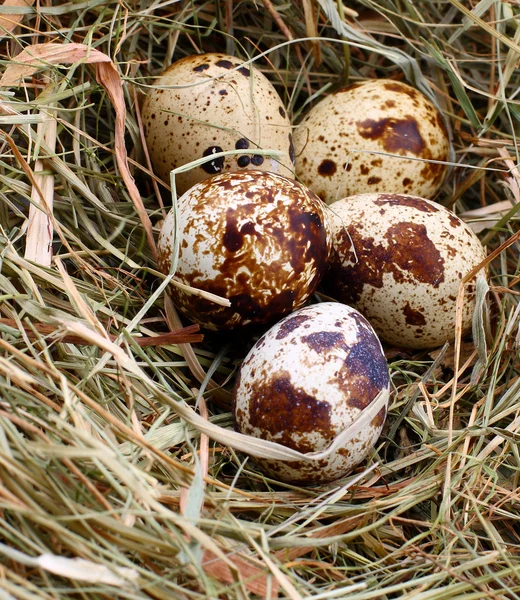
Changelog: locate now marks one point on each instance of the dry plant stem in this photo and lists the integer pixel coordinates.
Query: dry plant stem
(312, 30)
(253, 575)
(288, 34)
(40, 227)
(186, 335)
(146, 153)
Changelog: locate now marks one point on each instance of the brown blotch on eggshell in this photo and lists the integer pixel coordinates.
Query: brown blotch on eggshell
(256, 238)
(305, 381)
(399, 260)
(374, 116)
(215, 103)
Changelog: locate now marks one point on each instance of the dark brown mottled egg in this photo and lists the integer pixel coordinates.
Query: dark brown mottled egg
(376, 116)
(215, 104)
(400, 260)
(256, 238)
(318, 373)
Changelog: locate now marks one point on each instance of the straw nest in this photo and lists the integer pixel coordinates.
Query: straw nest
(120, 473)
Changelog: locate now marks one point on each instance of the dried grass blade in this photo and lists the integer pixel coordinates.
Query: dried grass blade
(186, 335)
(253, 577)
(40, 223)
(9, 22)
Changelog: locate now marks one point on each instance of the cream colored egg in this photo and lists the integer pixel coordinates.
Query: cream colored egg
(307, 380)
(214, 104)
(400, 261)
(256, 238)
(338, 142)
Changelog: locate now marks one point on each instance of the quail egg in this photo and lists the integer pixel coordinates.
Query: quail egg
(306, 381)
(338, 142)
(400, 260)
(209, 103)
(254, 237)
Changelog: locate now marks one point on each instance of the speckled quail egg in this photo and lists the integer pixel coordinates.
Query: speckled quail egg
(254, 237)
(382, 116)
(400, 260)
(216, 105)
(305, 381)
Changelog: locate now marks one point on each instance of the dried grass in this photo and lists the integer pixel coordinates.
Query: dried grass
(120, 473)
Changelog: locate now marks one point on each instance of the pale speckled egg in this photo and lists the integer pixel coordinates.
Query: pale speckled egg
(379, 115)
(222, 106)
(400, 260)
(305, 381)
(256, 238)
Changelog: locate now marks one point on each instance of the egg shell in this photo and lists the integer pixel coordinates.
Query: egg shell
(379, 115)
(305, 381)
(254, 237)
(400, 260)
(222, 106)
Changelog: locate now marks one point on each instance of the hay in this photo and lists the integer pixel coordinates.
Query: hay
(120, 473)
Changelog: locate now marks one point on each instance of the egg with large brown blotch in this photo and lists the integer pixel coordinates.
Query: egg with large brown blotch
(215, 104)
(256, 238)
(318, 374)
(376, 136)
(400, 261)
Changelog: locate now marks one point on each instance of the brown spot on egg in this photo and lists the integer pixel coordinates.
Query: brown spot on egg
(213, 166)
(223, 92)
(327, 168)
(411, 250)
(289, 325)
(251, 309)
(397, 136)
(233, 238)
(224, 64)
(302, 413)
(364, 169)
(413, 317)
(282, 112)
(379, 420)
(348, 88)
(373, 180)
(454, 221)
(395, 86)
(403, 200)
(407, 182)
(200, 68)
(292, 154)
(433, 172)
(241, 144)
(409, 255)
(323, 341)
(365, 371)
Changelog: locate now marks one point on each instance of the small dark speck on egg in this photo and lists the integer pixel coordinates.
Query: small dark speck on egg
(327, 168)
